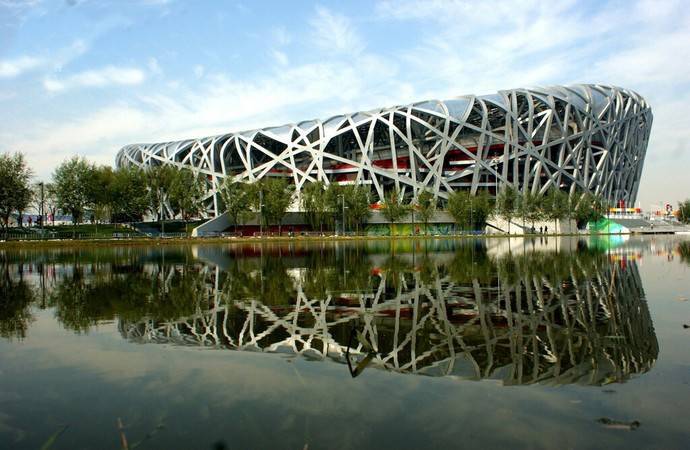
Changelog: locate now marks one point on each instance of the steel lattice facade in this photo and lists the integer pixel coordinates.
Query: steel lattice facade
(580, 138)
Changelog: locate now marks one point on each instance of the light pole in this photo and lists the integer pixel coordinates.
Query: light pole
(608, 220)
(413, 227)
(41, 205)
(261, 213)
(161, 200)
(342, 197)
(471, 214)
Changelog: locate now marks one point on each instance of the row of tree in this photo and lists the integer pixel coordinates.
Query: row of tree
(84, 190)
(269, 198)
(125, 194)
(554, 205)
(471, 212)
(15, 186)
(326, 205)
(323, 205)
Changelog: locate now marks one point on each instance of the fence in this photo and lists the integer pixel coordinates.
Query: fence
(37, 234)
(45, 235)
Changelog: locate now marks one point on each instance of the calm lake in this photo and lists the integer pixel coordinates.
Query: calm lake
(536, 343)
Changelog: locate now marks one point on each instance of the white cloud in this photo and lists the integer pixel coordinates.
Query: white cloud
(280, 57)
(334, 33)
(107, 76)
(14, 11)
(213, 105)
(67, 54)
(155, 2)
(154, 67)
(281, 36)
(15, 67)
(199, 71)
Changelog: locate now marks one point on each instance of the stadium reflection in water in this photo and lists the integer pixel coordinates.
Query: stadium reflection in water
(465, 311)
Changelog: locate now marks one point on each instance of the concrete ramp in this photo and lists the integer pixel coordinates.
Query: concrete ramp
(213, 227)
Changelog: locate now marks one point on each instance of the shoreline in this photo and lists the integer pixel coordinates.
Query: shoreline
(146, 241)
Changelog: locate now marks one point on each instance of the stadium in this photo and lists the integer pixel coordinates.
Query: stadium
(579, 138)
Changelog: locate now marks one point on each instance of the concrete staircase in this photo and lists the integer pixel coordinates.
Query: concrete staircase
(644, 226)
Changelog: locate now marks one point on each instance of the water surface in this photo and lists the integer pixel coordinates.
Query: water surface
(540, 343)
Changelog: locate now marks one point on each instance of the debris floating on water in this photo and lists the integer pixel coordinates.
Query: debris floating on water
(619, 425)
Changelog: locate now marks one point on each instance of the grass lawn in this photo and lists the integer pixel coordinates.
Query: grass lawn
(105, 228)
(83, 231)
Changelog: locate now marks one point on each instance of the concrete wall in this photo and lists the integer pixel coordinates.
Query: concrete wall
(497, 226)
(516, 226)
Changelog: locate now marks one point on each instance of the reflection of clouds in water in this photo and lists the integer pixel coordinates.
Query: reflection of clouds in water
(17, 434)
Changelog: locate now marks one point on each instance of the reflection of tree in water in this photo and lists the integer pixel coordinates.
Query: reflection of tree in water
(525, 317)
(95, 293)
(684, 251)
(85, 287)
(16, 296)
(531, 317)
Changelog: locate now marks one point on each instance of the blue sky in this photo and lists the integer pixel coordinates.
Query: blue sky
(88, 77)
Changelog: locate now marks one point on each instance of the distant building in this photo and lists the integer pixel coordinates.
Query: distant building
(580, 138)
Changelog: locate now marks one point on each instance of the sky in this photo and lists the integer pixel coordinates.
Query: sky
(86, 77)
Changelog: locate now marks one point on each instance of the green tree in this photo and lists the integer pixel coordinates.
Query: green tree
(470, 211)
(314, 204)
(186, 195)
(72, 181)
(393, 209)
(357, 209)
(426, 207)
(237, 198)
(529, 208)
(460, 207)
(99, 192)
(334, 202)
(276, 196)
(15, 189)
(129, 196)
(684, 211)
(506, 203)
(588, 209)
(556, 206)
(51, 201)
(159, 180)
(482, 209)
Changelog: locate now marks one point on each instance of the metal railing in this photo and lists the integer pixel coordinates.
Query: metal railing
(45, 235)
